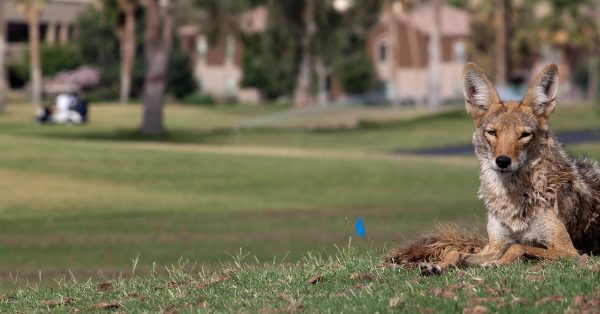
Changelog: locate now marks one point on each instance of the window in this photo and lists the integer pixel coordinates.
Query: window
(459, 52)
(229, 49)
(201, 46)
(383, 51)
(17, 32)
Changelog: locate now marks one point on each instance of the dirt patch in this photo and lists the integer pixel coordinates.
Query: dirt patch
(395, 302)
(54, 303)
(106, 305)
(170, 310)
(215, 279)
(479, 309)
(445, 293)
(549, 299)
(362, 276)
(105, 287)
(315, 279)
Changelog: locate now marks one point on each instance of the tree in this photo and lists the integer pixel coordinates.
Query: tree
(339, 46)
(158, 39)
(296, 19)
(573, 26)
(98, 45)
(529, 27)
(501, 59)
(3, 85)
(121, 15)
(321, 39)
(594, 64)
(302, 94)
(31, 10)
(435, 58)
(217, 18)
(126, 34)
(271, 57)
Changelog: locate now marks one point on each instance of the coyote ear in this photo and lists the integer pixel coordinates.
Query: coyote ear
(478, 91)
(543, 91)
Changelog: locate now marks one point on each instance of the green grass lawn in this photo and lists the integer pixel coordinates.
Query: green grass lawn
(89, 199)
(348, 282)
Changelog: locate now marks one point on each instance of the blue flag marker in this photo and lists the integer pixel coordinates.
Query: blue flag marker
(360, 227)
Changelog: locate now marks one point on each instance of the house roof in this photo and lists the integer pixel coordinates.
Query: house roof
(455, 22)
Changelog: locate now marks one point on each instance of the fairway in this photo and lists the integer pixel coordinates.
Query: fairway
(89, 199)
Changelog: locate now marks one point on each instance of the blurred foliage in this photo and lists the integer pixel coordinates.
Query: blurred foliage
(55, 58)
(567, 23)
(217, 17)
(268, 66)
(355, 74)
(99, 46)
(199, 100)
(532, 26)
(180, 82)
(271, 58)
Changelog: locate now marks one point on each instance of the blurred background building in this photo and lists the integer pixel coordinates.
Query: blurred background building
(57, 24)
(398, 44)
(315, 52)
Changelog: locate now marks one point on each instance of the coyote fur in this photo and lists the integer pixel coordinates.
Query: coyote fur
(541, 203)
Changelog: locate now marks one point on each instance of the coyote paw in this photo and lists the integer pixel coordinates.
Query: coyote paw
(427, 269)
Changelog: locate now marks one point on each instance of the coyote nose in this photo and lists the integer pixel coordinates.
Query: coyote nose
(502, 161)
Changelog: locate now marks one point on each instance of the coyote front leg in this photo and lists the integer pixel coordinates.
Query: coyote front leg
(559, 245)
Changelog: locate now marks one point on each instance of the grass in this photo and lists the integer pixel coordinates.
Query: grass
(110, 201)
(84, 201)
(350, 281)
(74, 202)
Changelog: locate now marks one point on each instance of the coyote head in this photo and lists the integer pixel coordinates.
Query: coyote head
(508, 133)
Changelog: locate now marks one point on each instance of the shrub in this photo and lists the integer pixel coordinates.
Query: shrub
(199, 99)
(355, 74)
(180, 81)
(54, 58)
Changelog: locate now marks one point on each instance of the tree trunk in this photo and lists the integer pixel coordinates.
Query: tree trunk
(592, 87)
(34, 54)
(394, 55)
(3, 85)
(323, 93)
(127, 48)
(302, 95)
(501, 44)
(433, 97)
(160, 22)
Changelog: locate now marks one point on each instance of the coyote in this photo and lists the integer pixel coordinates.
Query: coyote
(540, 202)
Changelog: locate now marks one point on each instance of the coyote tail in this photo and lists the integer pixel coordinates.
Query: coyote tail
(433, 246)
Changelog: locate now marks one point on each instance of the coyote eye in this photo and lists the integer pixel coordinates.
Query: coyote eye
(525, 134)
(492, 133)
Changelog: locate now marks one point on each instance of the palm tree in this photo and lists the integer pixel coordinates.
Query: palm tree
(126, 35)
(160, 24)
(3, 87)
(573, 26)
(435, 59)
(501, 43)
(302, 94)
(31, 10)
